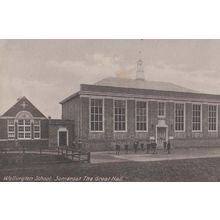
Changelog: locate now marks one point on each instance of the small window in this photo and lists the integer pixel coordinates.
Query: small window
(36, 129)
(212, 117)
(27, 122)
(141, 116)
(24, 129)
(20, 122)
(20, 128)
(27, 135)
(179, 117)
(20, 135)
(120, 115)
(96, 115)
(196, 119)
(36, 135)
(11, 129)
(161, 109)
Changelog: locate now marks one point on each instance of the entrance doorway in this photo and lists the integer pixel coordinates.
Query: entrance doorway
(161, 135)
(62, 137)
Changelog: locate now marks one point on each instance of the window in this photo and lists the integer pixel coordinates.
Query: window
(141, 116)
(212, 117)
(96, 115)
(36, 129)
(179, 117)
(120, 115)
(11, 129)
(24, 129)
(161, 109)
(196, 120)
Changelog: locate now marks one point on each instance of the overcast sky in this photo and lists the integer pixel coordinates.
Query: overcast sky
(47, 71)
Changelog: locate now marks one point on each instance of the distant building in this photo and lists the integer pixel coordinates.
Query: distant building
(23, 123)
(116, 110)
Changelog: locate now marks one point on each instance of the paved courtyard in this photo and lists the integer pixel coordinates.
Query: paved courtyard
(140, 156)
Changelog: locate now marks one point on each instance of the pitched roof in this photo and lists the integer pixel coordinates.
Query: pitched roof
(23, 104)
(143, 84)
(136, 84)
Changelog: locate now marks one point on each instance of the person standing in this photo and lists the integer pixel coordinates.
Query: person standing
(117, 146)
(169, 147)
(165, 145)
(135, 146)
(79, 145)
(148, 147)
(126, 148)
(154, 146)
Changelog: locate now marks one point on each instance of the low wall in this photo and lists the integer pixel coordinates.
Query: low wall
(25, 143)
(201, 142)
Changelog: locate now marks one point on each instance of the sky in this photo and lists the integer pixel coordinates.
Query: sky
(47, 71)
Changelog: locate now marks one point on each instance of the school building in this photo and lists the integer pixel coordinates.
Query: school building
(23, 123)
(117, 110)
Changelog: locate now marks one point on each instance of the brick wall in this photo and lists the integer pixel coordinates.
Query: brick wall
(196, 142)
(44, 129)
(170, 118)
(152, 117)
(188, 120)
(107, 139)
(71, 111)
(108, 119)
(131, 119)
(54, 126)
(3, 129)
(84, 125)
(218, 120)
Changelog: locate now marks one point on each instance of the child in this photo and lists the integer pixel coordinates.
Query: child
(135, 146)
(168, 147)
(154, 146)
(117, 149)
(164, 145)
(126, 148)
(148, 147)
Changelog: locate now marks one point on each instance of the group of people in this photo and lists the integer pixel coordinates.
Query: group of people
(150, 147)
(167, 146)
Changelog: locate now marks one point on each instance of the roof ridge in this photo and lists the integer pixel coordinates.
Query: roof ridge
(143, 84)
(19, 100)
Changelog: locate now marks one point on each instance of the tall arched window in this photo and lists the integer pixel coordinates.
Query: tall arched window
(24, 130)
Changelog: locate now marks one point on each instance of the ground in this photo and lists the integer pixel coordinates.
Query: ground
(203, 165)
(141, 156)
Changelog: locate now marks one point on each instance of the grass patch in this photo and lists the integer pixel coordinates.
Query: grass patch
(16, 160)
(204, 169)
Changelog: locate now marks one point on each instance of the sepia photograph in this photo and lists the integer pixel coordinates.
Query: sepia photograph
(109, 110)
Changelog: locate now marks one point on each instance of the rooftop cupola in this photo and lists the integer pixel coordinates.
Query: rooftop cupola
(140, 70)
